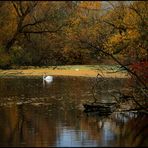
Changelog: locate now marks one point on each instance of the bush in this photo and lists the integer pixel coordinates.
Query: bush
(141, 69)
(5, 59)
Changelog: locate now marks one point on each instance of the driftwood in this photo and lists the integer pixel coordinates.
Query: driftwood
(100, 108)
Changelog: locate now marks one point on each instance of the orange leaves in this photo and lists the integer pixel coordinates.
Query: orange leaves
(71, 35)
(90, 4)
(141, 68)
(116, 39)
(133, 34)
(75, 21)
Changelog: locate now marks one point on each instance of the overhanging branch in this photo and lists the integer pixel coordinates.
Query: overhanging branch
(117, 61)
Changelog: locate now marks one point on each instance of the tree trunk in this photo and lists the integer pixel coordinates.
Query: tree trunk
(10, 43)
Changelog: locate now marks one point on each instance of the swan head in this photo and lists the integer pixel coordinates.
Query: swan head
(44, 75)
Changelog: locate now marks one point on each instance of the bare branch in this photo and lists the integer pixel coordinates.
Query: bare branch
(32, 24)
(16, 8)
(117, 61)
(21, 8)
(42, 31)
(38, 32)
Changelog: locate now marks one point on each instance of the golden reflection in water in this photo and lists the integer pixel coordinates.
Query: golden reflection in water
(27, 127)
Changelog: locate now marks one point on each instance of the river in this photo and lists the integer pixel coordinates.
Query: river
(38, 114)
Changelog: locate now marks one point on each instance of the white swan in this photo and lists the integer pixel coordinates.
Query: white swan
(47, 78)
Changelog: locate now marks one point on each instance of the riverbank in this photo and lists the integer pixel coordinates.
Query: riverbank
(75, 70)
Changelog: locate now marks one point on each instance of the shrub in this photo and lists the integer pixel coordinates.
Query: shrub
(141, 69)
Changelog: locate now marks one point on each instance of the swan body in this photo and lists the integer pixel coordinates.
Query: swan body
(47, 78)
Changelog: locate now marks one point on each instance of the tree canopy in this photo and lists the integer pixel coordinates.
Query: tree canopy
(42, 33)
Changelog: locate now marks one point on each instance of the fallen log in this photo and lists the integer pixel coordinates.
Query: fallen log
(101, 108)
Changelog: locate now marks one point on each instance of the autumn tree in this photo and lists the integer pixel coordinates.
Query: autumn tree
(118, 34)
(83, 26)
(29, 23)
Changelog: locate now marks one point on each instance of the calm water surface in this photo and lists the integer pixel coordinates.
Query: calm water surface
(33, 113)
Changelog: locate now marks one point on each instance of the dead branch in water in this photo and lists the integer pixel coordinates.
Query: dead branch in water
(141, 84)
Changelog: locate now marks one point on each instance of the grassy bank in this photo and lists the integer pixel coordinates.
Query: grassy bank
(69, 70)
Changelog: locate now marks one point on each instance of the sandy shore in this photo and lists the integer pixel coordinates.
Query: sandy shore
(56, 72)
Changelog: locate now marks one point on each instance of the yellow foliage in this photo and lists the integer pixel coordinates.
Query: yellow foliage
(66, 49)
(76, 21)
(115, 39)
(130, 18)
(90, 4)
(133, 34)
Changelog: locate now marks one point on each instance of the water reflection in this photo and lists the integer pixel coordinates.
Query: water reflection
(33, 114)
(46, 83)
